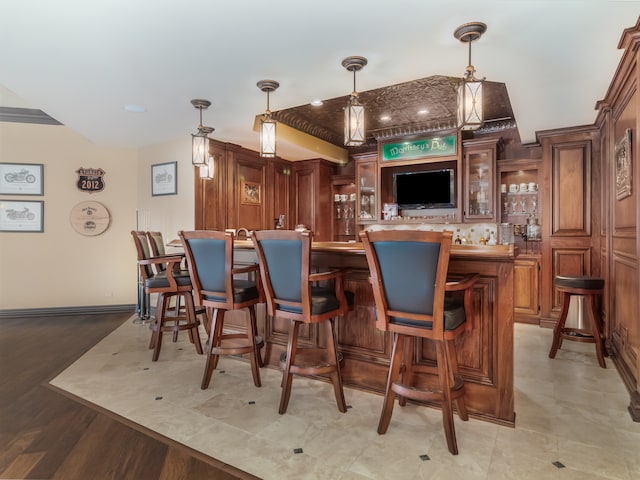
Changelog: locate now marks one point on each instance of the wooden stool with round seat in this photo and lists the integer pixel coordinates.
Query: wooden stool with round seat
(591, 288)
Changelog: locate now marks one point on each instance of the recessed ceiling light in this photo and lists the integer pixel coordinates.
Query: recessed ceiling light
(385, 118)
(317, 102)
(135, 109)
(423, 111)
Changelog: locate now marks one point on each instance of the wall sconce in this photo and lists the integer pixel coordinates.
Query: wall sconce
(267, 124)
(208, 169)
(470, 102)
(354, 127)
(200, 140)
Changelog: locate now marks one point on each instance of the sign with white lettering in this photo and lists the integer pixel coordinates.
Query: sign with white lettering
(415, 149)
(90, 179)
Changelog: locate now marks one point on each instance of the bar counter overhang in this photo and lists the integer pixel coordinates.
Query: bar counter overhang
(485, 352)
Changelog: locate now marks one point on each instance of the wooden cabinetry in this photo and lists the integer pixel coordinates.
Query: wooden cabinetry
(520, 202)
(313, 203)
(279, 193)
(222, 202)
(526, 288)
(479, 199)
(520, 206)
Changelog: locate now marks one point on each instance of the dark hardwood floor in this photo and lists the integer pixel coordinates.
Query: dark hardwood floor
(47, 434)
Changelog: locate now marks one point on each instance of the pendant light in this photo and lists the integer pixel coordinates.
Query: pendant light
(200, 140)
(267, 124)
(470, 101)
(354, 127)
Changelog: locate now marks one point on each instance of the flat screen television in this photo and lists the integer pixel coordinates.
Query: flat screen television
(425, 189)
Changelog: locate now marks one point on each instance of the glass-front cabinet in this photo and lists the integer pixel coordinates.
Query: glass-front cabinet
(520, 202)
(343, 194)
(479, 179)
(366, 184)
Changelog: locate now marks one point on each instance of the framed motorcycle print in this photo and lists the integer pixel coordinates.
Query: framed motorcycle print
(164, 179)
(21, 179)
(21, 216)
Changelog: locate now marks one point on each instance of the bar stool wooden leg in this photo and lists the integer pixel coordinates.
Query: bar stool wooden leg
(163, 302)
(394, 373)
(557, 331)
(287, 376)
(332, 359)
(596, 326)
(254, 356)
(192, 319)
(406, 367)
(450, 350)
(447, 401)
(254, 327)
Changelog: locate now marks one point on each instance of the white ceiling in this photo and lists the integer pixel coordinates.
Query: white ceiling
(82, 61)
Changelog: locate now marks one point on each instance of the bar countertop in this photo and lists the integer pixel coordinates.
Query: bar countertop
(488, 252)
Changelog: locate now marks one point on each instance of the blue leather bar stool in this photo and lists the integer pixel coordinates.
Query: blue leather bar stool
(591, 288)
(218, 286)
(167, 282)
(285, 268)
(415, 302)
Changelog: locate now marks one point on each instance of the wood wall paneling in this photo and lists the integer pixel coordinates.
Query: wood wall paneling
(617, 112)
(571, 189)
(305, 206)
(279, 190)
(250, 193)
(312, 202)
(624, 325)
(210, 195)
(570, 262)
(357, 333)
(570, 219)
(220, 204)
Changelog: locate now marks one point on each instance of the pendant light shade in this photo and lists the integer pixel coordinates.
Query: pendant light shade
(470, 91)
(200, 140)
(267, 124)
(208, 169)
(354, 125)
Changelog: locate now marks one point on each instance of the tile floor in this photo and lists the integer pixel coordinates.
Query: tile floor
(571, 416)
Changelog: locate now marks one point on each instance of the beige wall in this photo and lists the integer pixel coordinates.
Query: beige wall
(61, 268)
(167, 213)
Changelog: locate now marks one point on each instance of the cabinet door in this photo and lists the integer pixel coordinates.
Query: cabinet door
(344, 210)
(366, 184)
(313, 201)
(526, 289)
(479, 175)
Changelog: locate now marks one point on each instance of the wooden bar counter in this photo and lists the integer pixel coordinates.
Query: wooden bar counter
(485, 353)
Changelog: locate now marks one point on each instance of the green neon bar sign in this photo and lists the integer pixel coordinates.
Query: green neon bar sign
(428, 147)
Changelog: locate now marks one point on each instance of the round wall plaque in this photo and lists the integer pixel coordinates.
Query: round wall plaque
(90, 218)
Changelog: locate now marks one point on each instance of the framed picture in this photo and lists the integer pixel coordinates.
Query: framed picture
(164, 179)
(250, 192)
(21, 179)
(623, 165)
(21, 216)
